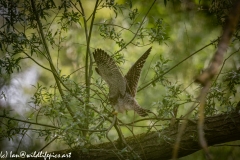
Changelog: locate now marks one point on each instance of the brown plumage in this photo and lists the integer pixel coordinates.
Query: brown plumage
(122, 90)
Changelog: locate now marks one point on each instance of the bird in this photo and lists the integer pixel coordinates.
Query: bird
(122, 90)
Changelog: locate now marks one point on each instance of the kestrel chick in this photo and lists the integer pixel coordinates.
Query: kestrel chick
(122, 90)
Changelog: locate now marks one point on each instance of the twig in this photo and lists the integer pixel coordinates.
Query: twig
(181, 131)
(140, 26)
(157, 78)
(131, 130)
(22, 137)
(48, 143)
(46, 125)
(109, 24)
(224, 64)
(20, 120)
(156, 118)
(110, 127)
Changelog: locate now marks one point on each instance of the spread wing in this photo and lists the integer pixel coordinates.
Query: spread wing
(134, 72)
(110, 73)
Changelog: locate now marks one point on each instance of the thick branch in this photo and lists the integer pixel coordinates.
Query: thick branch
(159, 145)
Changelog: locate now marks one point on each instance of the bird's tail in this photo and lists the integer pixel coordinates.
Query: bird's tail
(140, 111)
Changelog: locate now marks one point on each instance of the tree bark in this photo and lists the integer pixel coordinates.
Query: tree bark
(159, 144)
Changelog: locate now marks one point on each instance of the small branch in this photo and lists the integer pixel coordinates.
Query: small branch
(145, 119)
(181, 131)
(110, 127)
(88, 66)
(157, 78)
(75, 6)
(37, 62)
(140, 26)
(115, 25)
(88, 46)
(49, 143)
(25, 132)
(224, 64)
(178, 140)
(46, 125)
(20, 120)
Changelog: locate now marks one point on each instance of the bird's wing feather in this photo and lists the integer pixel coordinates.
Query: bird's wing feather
(110, 73)
(133, 75)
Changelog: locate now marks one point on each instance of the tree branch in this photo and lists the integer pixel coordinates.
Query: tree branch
(206, 77)
(159, 144)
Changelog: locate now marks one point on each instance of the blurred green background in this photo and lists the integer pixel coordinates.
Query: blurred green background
(175, 30)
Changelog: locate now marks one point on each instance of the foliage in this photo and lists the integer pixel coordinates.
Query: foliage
(71, 105)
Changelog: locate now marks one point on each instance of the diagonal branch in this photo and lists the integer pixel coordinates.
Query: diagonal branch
(208, 74)
(159, 144)
(54, 71)
(157, 78)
